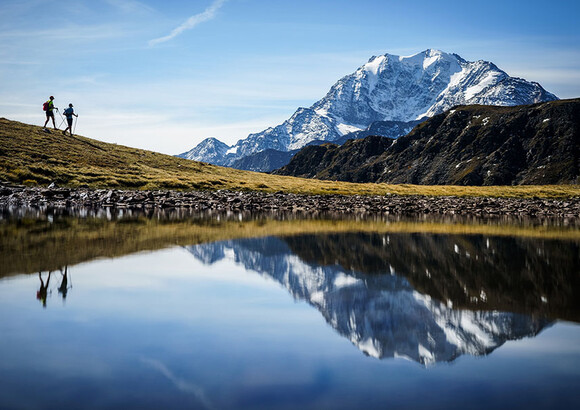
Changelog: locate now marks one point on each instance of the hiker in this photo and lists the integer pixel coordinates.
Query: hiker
(49, 107)
(69, 112)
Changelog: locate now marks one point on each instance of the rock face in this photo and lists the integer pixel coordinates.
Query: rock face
(331, 161)
(387, 88)
(468, 145)
(392, 129)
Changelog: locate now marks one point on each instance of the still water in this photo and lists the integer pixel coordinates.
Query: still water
(336, 320)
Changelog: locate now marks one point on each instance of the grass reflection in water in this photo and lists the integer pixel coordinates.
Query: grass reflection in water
(491, 265)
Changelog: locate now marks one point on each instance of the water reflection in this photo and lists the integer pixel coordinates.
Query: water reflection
(42, 293)
(429, 298)
(43, 240)
(64, 284)
(53, 213)
(44, 289)
(151, 326)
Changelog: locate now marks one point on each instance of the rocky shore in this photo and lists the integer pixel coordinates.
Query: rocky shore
(14, 196)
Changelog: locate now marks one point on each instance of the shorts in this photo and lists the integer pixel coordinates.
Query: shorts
(69, 121)
(49, 113)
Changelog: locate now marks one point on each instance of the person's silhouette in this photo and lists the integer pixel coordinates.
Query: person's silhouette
(63, 288)
(42, 293)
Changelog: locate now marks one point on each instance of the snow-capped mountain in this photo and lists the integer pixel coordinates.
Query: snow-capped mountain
(386, 88)
(209, 150)
(381, 314)
(397, 88)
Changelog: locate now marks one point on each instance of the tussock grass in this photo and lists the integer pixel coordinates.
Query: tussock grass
(32, 157)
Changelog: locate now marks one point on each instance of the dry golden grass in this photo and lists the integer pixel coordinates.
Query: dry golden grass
(30, 156)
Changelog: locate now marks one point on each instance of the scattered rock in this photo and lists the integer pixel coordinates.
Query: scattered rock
(222, 200)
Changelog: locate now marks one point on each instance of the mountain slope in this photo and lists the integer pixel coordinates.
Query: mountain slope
(391, 129)
(32, 157)
(331, 161)
(469, 145)
(390, 88)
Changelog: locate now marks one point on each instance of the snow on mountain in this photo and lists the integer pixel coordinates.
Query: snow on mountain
(209, 150)
(386, 88)
(396, 88)
(380, 314)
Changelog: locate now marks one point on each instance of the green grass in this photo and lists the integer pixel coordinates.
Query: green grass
(32, 157)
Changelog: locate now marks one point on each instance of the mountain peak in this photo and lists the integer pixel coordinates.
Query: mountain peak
(209, 150)
(427, 57)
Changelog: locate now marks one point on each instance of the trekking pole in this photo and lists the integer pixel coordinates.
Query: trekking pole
(60, 116)
(75, 126)
(61, 123)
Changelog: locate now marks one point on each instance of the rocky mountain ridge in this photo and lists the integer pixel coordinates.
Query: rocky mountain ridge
(468, 145)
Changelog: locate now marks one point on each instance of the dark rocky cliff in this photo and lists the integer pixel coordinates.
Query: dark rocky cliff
(331, 161)
(467, 145)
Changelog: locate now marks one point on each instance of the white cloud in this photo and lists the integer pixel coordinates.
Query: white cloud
(191, 22)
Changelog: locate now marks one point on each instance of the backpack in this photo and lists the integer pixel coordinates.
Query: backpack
(45, 106)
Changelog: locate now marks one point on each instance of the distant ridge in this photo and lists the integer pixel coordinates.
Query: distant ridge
(388, 88)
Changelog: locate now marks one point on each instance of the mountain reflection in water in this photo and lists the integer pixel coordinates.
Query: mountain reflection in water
(429, 298)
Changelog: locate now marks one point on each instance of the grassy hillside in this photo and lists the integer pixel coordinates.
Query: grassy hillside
(33, 157)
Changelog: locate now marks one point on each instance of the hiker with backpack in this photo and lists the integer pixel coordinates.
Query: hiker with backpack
(48, 107)
(69, 112)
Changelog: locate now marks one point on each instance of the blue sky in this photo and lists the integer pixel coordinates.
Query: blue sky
(165, 75)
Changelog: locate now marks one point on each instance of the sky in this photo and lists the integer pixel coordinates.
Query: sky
(164, 75)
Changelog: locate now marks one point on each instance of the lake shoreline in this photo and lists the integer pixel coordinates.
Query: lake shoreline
(253, 201)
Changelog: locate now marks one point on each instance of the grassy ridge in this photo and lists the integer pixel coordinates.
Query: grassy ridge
(33, 157)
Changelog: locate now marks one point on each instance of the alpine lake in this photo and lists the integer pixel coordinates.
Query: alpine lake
(106, 309)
